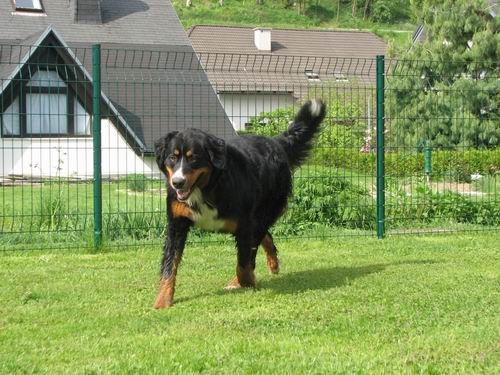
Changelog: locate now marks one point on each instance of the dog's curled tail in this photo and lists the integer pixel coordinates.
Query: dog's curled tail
(297, 140)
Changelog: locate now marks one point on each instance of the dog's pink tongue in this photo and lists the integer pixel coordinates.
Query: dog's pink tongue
(182, 194)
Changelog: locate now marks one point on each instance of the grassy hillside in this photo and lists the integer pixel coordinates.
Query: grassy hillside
(318, 14)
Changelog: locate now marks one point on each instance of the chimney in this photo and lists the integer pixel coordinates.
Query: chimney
(88, 11)
(262, 39)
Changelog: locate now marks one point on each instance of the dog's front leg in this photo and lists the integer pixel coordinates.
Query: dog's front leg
(245, 276)
(178, 229)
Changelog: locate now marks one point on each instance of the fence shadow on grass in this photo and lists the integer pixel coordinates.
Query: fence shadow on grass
(326, 278)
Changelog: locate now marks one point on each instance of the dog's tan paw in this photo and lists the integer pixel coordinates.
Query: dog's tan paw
(162, 305)
(273, 265)
(233, 284)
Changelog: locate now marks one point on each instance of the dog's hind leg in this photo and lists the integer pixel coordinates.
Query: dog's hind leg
(273, 263)
(265, 239)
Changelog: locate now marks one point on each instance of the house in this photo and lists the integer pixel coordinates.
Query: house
(152, 83)
(258, 69)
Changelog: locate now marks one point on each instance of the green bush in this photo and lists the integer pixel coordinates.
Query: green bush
(426, 206)
(330, 201)
(271, 123)
(455, 165)
(345, 158)
(381, 12)
(336, 202)
(341, 128)
(462, 209)
(136, 182)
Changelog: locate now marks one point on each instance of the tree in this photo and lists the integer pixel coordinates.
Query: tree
(446, 91)
(366, 9)
(385, 10)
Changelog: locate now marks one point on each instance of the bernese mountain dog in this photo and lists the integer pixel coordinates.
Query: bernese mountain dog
(240, 187)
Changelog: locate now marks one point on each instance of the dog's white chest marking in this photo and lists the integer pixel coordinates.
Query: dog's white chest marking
(204, 216)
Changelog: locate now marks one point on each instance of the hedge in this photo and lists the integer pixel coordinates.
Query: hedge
(457, 164)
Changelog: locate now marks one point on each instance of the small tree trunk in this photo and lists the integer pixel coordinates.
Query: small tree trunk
(338, 11)
(189, 3)
(301, 6)
(354, 7)
(365, 13)
(260, 2)
(221, 3)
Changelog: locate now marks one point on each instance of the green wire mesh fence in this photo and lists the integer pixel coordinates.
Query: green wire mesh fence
(442, 159)
(438, 169)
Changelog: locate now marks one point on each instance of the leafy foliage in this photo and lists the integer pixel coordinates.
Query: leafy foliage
(329, 201)
(302, 14)
(341, 128)
(444, 162)
(431, 206)
(136, 182)
(382, 11)
(447, 93)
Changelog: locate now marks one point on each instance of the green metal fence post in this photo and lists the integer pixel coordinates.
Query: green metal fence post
(427, 162)
(380, 148)
(96, 135)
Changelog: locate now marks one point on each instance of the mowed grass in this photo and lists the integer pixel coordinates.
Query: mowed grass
(343, 305)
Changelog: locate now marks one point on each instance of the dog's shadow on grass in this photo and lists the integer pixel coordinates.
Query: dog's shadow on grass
(325, 278)
(319, 278)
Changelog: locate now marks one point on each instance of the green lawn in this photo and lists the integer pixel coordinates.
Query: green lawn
(344, 305)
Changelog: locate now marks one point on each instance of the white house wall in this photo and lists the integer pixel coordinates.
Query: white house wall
(72, 157)
(241, 107)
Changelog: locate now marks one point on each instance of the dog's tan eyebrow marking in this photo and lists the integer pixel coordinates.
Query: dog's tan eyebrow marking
(189, 153)
(169, 170)
(176, 152)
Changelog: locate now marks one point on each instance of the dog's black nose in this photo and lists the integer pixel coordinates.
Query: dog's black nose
(178, 182)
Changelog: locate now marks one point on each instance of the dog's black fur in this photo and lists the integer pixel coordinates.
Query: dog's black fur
(240, 187)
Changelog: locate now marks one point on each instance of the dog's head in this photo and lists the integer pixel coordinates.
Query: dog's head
(188, 159)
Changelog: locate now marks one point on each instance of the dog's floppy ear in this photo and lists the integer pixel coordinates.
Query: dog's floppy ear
(216, 149)
(161, 150)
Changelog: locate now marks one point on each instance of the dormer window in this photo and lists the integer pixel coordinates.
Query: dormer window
(45, 106)
(312, 75)
(340, 77)
(28, 5)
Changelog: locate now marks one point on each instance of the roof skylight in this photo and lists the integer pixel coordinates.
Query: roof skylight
(29, 5)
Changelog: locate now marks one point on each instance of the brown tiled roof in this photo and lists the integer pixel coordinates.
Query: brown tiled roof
(233, 63)
(292, 42)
